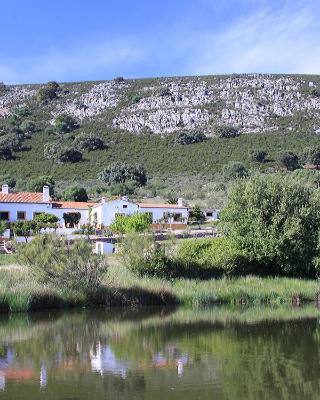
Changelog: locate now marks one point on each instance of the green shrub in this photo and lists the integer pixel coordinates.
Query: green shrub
(51, 261)
(122, 172)
(48, 92)
(46, 218)
(75, 193)
(227, 132)
(61, 154)
(122, 189)
(315, 92)
(258, 155)
(138, 222)
(289, 160)
(142, 255)
(36, 185)
(88, 142)
(65, 123)
(190, 137)
(275, 222)
(207, 258)
(28, 126)
(234, 170)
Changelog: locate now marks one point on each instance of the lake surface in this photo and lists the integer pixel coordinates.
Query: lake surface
(168, 353)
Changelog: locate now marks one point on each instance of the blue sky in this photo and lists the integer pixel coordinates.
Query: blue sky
(71, 40)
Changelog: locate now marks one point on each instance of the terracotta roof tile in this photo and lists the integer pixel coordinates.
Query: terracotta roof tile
(157, 205)
(72, 204)
(21, 197)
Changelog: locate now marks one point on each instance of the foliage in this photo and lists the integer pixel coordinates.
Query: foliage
(258, 155)
(74, 266)
(312, 155)
(315, 92)
(65, 123)
(75, 193)
(119, 79)
(48, 92)
(71, 219)
(28, 126)
(143, 255)
(289, 160)
(138, 222)
(88, 142)
(5, 152)
(227, 132)
(122, 172)
(234, 170)
(85, 229)
(69, 155)
(190, 137)
(122, 189)
(25, 228)
(36, 185)
(275, 222)
(61, 154)
(46, 218)
(207, 258)
(196, 214)
(3, 227)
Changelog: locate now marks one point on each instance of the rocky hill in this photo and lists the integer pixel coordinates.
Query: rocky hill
(139, 122)
(251, 103)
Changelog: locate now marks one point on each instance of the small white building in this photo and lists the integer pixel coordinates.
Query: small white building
(211, 214)
(174, 216)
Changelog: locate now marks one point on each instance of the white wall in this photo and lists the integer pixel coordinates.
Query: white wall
(158, 212)
(106, 212)
(31, 208)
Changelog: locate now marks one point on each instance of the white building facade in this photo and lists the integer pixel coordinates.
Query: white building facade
(25, 206)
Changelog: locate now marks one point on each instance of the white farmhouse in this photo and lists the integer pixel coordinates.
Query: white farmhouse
(25, 206)
(173, 216)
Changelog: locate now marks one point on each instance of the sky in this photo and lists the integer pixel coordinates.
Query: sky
(77, 40)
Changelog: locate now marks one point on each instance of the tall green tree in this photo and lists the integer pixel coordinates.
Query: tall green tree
(289, 160)
(312, 155)
(275, 223)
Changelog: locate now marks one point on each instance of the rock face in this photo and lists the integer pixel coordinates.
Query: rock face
(14, 96)
(251, 103)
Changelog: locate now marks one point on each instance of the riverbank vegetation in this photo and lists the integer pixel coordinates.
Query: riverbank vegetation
(20, 292)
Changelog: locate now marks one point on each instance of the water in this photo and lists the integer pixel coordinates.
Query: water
(217, 353)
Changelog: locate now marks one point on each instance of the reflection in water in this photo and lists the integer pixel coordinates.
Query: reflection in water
(221, 353)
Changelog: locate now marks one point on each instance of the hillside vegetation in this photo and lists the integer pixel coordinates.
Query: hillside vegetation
(183, 131)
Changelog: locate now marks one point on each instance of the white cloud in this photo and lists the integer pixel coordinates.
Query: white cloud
(285, 41)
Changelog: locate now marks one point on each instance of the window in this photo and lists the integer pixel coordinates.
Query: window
(177, 217)
(21, 215)
(209, 214)
(4, 216)
(36, 213)
(125, 206)
(118, 215)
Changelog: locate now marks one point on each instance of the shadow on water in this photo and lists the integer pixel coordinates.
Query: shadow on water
(161, 352)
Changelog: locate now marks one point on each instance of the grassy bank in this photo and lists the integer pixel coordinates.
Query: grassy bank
(19, 292)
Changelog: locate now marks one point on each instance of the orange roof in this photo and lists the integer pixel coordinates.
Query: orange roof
(72, 204)
(22, 197)
(157, 205)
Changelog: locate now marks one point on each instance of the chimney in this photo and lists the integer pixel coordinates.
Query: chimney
(124, 198)
(180, 202)
(45, 194)
(5, 189)
(103, 200)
